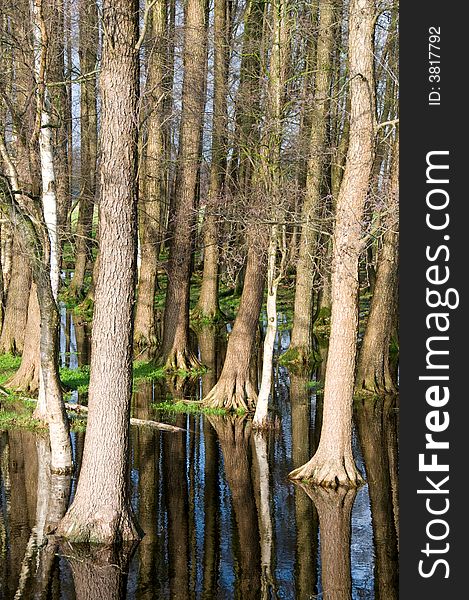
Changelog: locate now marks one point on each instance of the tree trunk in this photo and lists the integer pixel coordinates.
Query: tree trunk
(235, 388)
(207, 307)
(88, 49)
(101, 511)
(154, 182)
(59, 116)
(175, 352)
(260, 416)
(16, 310)
(26, 379)
(333, 463)
(301, 345)
(374, 373)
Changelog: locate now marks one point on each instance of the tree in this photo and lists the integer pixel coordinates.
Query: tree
(101, 510)
(208, 306)
(301, 345)
(373, 372)
(175, 351)
(88, 48)
(333, 462)
(235, 387)
(270, 184)
(154, 180)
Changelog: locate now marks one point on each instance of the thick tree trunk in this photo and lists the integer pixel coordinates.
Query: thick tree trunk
(207, 307)
(154, 182)
(374, 372)
(101, 510)
(333, 463)
(301, 345)
(88, 25)
(16, 310)
(175, 352)
(235, 388)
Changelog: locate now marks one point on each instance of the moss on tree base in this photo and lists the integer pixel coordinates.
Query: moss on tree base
(299, 358)
(201, 317)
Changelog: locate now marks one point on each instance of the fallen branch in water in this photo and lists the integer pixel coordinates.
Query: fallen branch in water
(138, 422)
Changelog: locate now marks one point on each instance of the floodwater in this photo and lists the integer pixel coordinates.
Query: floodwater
(221, 519)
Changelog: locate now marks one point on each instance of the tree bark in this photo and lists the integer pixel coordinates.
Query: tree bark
(154, 181)
(88, 49)
(235, 388)
(333, 463)
(26, 379)
(373, 372)
(301, 345)
(16, 310)
(60, 114)
(175, 351)
(101, 510)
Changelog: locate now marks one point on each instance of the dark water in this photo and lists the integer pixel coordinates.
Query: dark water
(221, 519)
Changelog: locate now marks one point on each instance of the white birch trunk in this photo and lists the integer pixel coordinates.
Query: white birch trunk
(260, 416)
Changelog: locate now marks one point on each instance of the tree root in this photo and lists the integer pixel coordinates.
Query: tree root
(25, 380)
(145, 343)
(102, 526)
(181, 361)
(232, 394)
(329, 472)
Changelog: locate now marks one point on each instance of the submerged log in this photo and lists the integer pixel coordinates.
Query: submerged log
(79, 408)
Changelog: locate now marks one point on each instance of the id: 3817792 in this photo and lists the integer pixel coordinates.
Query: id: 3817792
(434, 68)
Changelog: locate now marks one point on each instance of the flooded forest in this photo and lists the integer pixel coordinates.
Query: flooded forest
(199, 348)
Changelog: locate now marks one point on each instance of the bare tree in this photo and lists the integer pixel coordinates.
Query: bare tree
(101, 510)
(175, 351)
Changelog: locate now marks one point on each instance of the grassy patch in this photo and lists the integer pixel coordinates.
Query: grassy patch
(9, 364)
(76, 379)
(191, 408)
(18, 413)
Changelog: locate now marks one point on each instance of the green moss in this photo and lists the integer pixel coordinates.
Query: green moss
(298, 360)
(16, 413)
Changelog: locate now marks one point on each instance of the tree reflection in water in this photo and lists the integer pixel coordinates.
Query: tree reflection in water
(221, 519)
